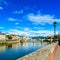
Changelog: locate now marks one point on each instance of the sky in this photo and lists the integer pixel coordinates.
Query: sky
(29, 17)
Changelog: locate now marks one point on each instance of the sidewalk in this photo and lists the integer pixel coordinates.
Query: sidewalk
(58, 54)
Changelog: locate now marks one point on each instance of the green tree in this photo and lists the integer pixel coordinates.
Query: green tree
(9, 37)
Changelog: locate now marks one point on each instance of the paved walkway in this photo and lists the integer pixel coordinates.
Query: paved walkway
(58, 54)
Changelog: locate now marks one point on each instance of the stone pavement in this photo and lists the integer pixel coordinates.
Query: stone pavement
(58, 54)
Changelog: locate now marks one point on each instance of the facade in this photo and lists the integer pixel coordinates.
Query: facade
(2, 36)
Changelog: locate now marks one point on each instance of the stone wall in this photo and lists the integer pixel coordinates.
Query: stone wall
(41, 54)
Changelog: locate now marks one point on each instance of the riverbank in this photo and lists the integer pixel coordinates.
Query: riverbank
(9, 41)
(43, 54)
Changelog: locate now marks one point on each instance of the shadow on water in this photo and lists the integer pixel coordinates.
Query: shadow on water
(9, 46)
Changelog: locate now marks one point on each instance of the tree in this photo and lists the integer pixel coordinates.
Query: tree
(9, 37)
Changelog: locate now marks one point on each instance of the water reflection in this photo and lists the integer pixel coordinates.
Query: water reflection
(9, 46)
(2, 48)
(17, 50)
(17, 45)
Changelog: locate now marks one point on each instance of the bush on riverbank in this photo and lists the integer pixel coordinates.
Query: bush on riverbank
(47, 41)
(9, 37)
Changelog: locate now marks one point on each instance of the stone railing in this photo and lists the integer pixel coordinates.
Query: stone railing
(41, 54)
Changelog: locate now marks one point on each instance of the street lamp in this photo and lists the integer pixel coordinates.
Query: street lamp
(54, 29)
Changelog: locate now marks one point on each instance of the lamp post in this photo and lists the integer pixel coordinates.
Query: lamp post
(54, 29)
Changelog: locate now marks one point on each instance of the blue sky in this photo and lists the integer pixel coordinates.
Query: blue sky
(29, 17)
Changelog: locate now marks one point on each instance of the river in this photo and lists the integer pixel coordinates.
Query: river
(18, 50)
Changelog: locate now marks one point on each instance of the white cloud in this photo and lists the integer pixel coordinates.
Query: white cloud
(27, 29)
(18, 12)
(1, 27)
(1, 8)
(29, 32)
(42, 19)
(12, 19)
(16, 23)
(16, 31)
(36, 27)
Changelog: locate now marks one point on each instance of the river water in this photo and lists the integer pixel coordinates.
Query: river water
(18, 50)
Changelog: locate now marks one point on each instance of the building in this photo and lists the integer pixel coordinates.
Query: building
(2, 36)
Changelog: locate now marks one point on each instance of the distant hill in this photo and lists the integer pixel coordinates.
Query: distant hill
(38, 37)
